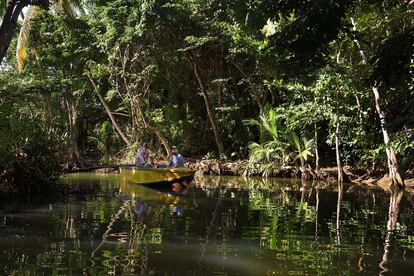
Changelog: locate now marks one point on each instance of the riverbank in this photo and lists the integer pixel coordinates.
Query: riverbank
(209, 167)
(351, 175)
(237, 168)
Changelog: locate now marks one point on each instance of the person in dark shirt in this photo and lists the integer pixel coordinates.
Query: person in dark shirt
(176, 160)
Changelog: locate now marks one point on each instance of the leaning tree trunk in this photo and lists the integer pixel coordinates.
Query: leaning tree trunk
(210, 112)
(392, 161)
(252, 87)
(155, 130)
(137, 112)
(9, 24)
(391, 156)
(260, 102)
(108, 111)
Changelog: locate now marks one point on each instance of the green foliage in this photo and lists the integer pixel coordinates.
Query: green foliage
(297, 57)
(282, 145)
(30, 153)
(403, 144)
(103, 138)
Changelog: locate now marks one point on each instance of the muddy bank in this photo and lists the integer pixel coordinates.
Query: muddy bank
(237, 168)
(351, 175)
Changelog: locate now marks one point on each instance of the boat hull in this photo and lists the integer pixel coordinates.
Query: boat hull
(156, 176)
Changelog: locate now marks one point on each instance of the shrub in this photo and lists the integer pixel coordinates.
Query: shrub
(29, 153)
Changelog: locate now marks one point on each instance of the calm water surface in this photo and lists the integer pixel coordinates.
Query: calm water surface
(223, 226)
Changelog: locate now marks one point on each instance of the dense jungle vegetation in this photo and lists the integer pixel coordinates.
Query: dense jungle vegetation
(292, 82)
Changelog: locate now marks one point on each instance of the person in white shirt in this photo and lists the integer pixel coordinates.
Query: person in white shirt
(176, 160)
(141, 158)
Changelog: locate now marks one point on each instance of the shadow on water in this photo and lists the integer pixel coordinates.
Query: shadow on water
(222, 225)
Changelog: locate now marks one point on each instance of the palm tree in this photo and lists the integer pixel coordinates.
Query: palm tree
(12, 10)
(299, 148)
(283, 145)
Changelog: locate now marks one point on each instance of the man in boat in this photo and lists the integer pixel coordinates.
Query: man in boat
(176, 160)
(141, 158)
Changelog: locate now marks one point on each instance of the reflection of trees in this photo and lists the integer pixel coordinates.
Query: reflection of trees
(287, 211)
(305, 212)
(210, 230)
(393, 210)
(137, 236)
(144, 223)
(317, 210)
(128, 228)
(283, 208)
(105, 235)
(294, 222)
(338, 212)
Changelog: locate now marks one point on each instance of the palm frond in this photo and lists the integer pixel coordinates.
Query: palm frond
(285, 145)
(308, 147)
(294, 140)
(252, 122)
(65, 7)
(270, 121)
(23, 39)
(69, 8)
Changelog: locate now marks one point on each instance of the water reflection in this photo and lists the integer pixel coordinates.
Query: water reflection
(222, 225)
(338, 212)
(393, 210)
(107, 233)
(317, 209)
(143, 209)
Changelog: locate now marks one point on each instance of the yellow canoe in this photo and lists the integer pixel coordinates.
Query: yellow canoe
(154, 176)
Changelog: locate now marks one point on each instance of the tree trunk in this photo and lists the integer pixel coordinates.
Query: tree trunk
(47, 97)
(73, 129)
(391, 156)
(251, 86)
(338, 154)
(48, 105)
(392, 161)
(360, 113)
(108, 111)
(210, 112)
(9, 24)
(137, 112)
(155, 130)
(315, 127)
(337, 143)
(316, 150)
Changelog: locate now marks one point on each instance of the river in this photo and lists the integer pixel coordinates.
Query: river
(222, 226)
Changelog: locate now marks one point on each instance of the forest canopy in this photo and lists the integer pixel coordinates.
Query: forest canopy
(276, 82)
